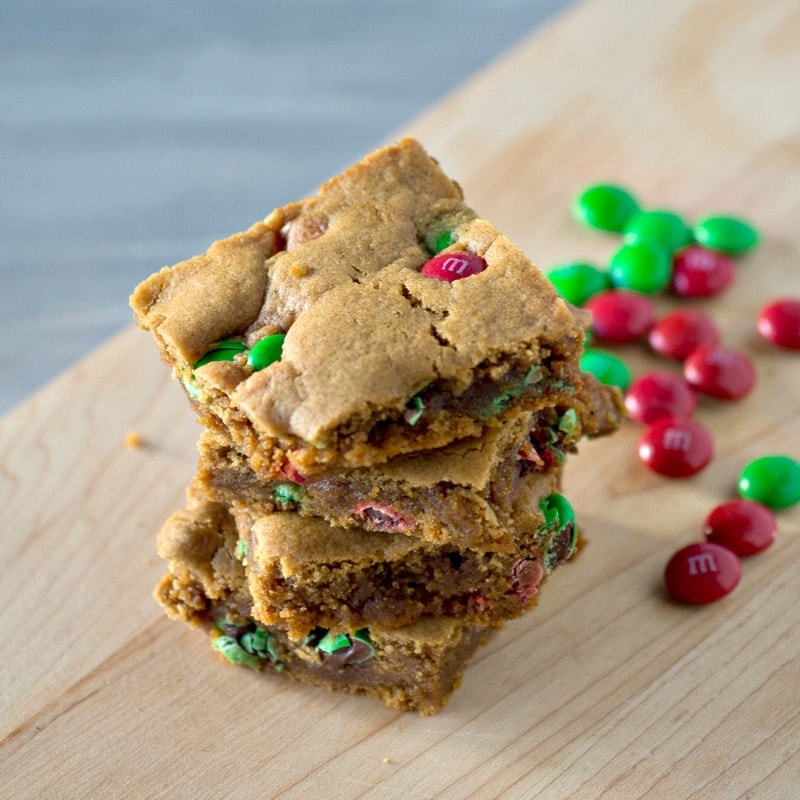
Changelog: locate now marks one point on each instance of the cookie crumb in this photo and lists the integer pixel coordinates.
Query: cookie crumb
(386, 761)
(133, 440)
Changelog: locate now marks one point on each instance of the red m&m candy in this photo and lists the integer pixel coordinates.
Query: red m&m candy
(660, 394)
(453, 266)
(742, 526)
(620, 316)
(720, 372)
(779, 323)
(702, 573)
(676, 334)
(699, 272)
(676, 448)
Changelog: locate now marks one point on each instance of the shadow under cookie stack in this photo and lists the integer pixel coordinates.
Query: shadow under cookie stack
(387, 390)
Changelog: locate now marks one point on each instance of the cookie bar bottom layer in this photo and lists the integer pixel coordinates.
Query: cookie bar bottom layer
(415, 668)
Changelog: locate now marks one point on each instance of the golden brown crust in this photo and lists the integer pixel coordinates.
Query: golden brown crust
(365, 330)
(463, 395)
(183, 306)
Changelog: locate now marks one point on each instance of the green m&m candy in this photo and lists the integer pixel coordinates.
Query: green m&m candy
(557, 510)
(568, 422)
(261, 644)
(266, 351)
(226, 350)
(355, 648)
(442, 231)
(444, 241)
(772, 480)
(728, 234)
(641, 267)
(604, 206)
(606, 367)
(287, 494)
(367, 646)
(558, 514)
(577, 281)
(659, 228)
(229, 647)
(333, 641)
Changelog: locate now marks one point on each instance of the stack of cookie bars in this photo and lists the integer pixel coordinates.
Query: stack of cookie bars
(387, 390)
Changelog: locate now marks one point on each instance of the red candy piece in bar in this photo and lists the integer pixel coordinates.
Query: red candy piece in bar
(454, 266)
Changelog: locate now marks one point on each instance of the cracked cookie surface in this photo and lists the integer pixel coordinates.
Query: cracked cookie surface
(366, 332)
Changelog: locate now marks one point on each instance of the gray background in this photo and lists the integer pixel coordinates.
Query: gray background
(135, 133)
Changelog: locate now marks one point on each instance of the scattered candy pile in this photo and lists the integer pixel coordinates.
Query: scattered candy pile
(661, 252)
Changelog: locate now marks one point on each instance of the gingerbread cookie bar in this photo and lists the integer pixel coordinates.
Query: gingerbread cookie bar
(415, 667)
(302, 573)
(462, 494)
(380, 317)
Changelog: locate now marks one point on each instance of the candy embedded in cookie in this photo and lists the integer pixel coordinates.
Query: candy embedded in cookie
(287, 495)
(526, 575)
(225, 350)
(339, 650)
(462, 493)
(253, 647)
(443, 230)
(303, 229)
(303, 573)
(266, 351)
(382, 517)
(413, 668)
(453, 266)
(559, 529)
(407, 323)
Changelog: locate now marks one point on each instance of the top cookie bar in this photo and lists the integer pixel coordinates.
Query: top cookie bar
(379, 317)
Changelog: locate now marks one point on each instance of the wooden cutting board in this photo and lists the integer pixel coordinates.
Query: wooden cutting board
(608, 690)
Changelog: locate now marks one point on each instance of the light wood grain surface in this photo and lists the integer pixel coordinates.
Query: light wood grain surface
(608, 690)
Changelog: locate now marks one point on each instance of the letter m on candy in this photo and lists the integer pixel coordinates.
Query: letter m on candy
(701, 564)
